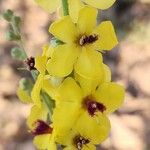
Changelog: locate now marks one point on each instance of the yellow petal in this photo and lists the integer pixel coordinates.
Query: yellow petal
(47, 50)
(23, 96)
(35, 94)
(96, 129)
(101, 4)
(88, 86)
(40, 64)
(89, 64)
(86, 22)
(69, 148)
(49, 88)
(111, 95)
(48, 5)
(52, 144)
(62, 61)
(69, 91)
(64, 29)
(42, 141)
(74, 8)
(35, 114)
(64, 117)
(106, 36)
(89, 147)
(107, 74)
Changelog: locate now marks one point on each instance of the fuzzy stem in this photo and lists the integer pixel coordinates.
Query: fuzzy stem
(65, 7)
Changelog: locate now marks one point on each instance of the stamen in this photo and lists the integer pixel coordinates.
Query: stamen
(88, 39)
(41, 127)
(80, 141)
(92, 106)
(30, 62)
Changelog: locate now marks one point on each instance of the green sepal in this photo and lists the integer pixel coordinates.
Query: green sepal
(54, 42)
(18, 53)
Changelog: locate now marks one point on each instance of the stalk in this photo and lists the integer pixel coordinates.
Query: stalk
(65, 7)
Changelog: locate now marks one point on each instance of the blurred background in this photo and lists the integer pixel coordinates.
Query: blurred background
(129, 62)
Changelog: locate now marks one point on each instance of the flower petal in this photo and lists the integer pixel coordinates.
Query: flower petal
(88, 86)
(35, 94)
(23, 96)
(69, 148)
(47, 50)
(49, 88)
(36, 114)
(107, 74)
(74, 8)
(96, 129)
(64, 117)
(107, 37)
(64, 30)
(40, 64)
(101, 4)
(42, 141)
(89, 64)
(86, 22)
(111, 95)
(62, 61)
(89, 147)
(48, 5)
(69, 91)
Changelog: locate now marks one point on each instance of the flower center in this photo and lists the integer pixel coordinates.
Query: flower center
(42, 127)
(92, 106)
(88, 39)
(80, 141)
(30, 62)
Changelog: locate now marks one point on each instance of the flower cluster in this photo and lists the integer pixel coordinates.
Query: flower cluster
(73, 93)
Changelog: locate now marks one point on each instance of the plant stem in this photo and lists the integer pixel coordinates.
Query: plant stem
(65, 7)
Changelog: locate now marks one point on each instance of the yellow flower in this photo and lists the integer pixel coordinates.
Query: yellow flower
(45, 141)
(44, 134)
(81, 42)
(43, 82)
(74, 5)
(75, 105)
(35, 114)
(86, 133)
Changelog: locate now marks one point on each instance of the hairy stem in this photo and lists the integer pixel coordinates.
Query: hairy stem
(65, 7)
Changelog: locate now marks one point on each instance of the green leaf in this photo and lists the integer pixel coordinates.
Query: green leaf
(11, 36)
(7, 15)
(24, 90)
(26, 84)
(16, 21)
(18, 53)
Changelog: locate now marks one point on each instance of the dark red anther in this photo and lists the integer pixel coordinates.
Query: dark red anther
(80, 141)
(42, 127)
(30, 62)
(88, 39)
(92, 106)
